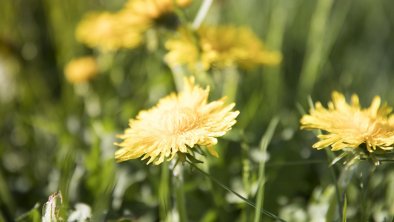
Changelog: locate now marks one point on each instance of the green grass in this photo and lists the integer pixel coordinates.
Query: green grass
(58, 137)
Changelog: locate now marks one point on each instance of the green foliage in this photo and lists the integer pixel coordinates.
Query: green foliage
(55, 136)
(33, 215)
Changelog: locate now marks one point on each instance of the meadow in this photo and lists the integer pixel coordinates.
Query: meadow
(196, 110)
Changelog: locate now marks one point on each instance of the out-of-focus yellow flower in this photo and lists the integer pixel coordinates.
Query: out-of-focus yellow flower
(110, 31)
(221, 47)
(152, 10)
(125, 28)
(175, 125)
(183, 50)
(81, 69)
(349, 125)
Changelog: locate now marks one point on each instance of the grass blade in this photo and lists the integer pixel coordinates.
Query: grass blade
(344, 209)
(265, 140)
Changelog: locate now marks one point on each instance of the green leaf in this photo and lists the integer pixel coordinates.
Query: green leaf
(192, 158)
(33, 215)
(344, 209)
(338, 158)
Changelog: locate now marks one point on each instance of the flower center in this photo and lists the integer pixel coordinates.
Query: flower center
(180, 120)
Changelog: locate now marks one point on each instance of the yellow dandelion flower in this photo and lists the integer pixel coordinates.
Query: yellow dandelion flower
(81, 69)
(152, 10)
(175, 125)
(221, 46)
(110, 31)
(349, 125)
(125, 28)
(183, 51)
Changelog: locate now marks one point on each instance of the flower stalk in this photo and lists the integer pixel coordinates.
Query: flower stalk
(180, 193)
(265, 140)
(202, 12)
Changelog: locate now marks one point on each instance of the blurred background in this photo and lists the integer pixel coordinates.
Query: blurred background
(58, 136)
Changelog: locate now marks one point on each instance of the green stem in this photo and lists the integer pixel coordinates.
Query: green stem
(178, 76)
(246, 177)
(180, 195)
(344, 218)
(246, 168)
(231, 78)
(365, 193)
(265, 140)
(202, 12)
(262, 211)
(335, 181)
(164, 192)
